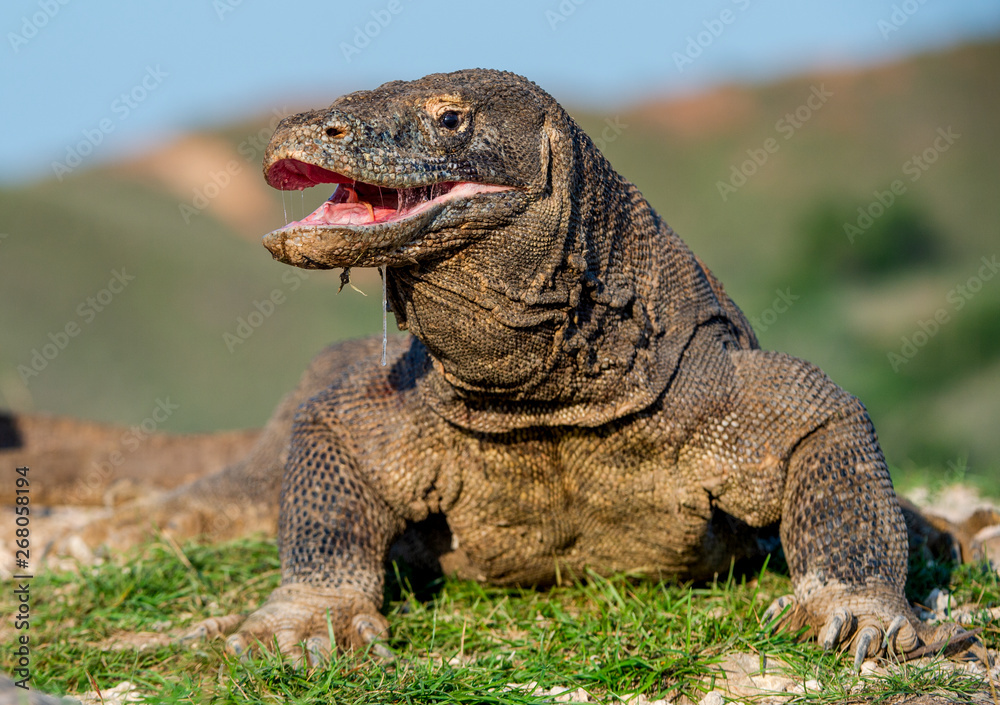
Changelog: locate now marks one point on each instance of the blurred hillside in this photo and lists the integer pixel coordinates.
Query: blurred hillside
(895, 300)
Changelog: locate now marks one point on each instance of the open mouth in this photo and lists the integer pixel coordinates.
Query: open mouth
(357, 203)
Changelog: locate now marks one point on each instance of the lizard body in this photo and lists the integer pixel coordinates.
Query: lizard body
(578, 392)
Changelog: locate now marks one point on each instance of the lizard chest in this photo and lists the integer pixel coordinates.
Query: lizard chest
(535, 503)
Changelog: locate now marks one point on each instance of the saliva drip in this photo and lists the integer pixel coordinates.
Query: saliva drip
(384, 271)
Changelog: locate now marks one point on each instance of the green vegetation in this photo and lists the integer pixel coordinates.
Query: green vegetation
(458, 642)
(899, 241)
(784, 231)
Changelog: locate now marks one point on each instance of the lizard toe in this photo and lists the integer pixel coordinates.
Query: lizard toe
(371, 630)
(261, 633)
(281, 623)
(210, 628)
(866, 644)
(900, 637)
(318, 650)
(883, 633)
(238, 646)
(778, 610)
(837, 628)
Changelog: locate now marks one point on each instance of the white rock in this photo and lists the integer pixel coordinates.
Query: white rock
(713, 698)
(78, 550)
(956, 503)
(571, 696)
(773, 684)
(971, 615)
(940, 601)
(810, 686)
(640, 699)
(869, 667)
(122, 693)
(530, 687)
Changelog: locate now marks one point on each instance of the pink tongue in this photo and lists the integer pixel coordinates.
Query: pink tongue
(289, 174)
(331, 213)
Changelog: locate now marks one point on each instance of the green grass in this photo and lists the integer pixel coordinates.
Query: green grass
(462, 643)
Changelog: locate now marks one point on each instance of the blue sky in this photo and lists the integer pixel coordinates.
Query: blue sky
(138, 73)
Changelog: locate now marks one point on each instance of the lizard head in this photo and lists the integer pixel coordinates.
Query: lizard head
(540, 283)
(420, 168)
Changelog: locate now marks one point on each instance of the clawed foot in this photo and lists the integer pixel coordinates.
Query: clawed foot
(304, 623)
(866, 626)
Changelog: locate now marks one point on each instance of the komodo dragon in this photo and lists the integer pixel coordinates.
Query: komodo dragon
(578, 391)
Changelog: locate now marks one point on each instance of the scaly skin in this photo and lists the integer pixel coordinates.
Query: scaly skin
(578, 391)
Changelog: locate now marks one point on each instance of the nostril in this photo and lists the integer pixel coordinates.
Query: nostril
(334, 132)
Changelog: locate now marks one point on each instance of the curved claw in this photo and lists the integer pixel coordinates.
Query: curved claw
(210, 628)
(889, 642)
(383, 652)
(318, 650)
(777, 609)
(371, 635)
(236, 645)
(837, 628)
(865, 638)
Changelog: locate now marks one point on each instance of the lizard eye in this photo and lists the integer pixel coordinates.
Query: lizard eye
(449, 119)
